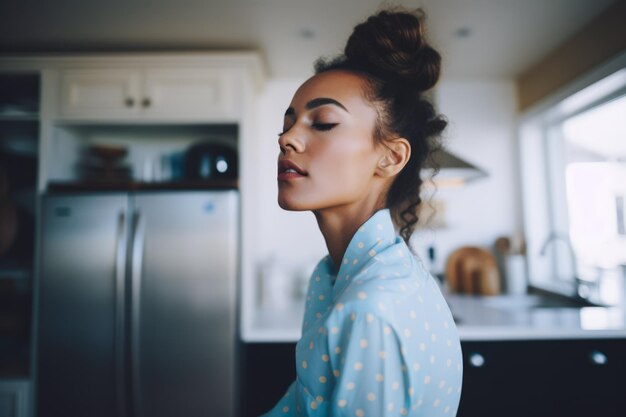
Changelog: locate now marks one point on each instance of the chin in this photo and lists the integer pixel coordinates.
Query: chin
(288, 205)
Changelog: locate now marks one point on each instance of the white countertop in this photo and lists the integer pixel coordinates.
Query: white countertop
(502, 317)
(279, 325)
(506, 317)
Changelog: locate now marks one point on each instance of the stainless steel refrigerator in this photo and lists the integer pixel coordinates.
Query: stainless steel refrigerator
(136, 298)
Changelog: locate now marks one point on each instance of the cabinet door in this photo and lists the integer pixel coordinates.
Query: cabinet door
(267, 370)
(100, 94)
(500, 379)
(193, 93)
(596, 383)
(543, 378)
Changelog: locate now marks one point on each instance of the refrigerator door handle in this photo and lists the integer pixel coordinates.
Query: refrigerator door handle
(120, 278)
(137, 260)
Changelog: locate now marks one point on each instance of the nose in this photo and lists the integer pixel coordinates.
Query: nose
(291, 139)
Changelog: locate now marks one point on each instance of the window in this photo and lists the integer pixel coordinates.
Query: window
(573, 168)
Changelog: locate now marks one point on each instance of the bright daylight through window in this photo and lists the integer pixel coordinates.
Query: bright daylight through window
(595, 187)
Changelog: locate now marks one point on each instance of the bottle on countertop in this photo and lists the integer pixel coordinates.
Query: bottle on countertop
(511, 259)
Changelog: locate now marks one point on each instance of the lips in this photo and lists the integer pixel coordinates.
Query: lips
(288, 170)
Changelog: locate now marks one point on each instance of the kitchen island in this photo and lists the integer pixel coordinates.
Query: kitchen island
(500, 317)
(522, 355)
(523, 317)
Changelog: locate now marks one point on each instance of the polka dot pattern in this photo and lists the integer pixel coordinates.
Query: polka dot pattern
(377, 335)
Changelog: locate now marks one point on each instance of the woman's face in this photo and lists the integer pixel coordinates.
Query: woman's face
(328, 133)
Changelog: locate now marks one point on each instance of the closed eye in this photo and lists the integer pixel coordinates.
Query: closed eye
(324, 126)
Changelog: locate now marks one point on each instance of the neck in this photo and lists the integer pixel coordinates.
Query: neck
(339, 224)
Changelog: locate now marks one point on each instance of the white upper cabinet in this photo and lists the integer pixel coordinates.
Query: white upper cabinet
(164, 94)
(189, 93)
(108, 93)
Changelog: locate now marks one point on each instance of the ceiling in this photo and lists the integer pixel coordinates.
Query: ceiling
(505, 37)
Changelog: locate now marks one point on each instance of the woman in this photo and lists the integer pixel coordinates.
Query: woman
(378, 338)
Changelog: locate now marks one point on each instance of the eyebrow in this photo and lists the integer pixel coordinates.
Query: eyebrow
(316, 102)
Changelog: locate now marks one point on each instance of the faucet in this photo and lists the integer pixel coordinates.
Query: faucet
(581, 286)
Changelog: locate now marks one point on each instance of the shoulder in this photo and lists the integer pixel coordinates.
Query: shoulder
(393, 275)
(394, 262)
(392, 293)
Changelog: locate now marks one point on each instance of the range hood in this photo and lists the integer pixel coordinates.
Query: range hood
(454, 171)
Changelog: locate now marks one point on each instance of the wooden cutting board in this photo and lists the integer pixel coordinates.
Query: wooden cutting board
(472, 270)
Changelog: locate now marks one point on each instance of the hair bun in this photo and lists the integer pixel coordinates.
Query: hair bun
(392, 45)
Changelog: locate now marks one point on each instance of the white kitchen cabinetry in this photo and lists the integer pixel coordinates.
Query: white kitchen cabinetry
(153, 104)
(108, 93)
(197, 93)
(148, 94)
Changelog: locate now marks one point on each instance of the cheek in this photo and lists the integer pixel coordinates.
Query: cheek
(341, 170)
(346, 161)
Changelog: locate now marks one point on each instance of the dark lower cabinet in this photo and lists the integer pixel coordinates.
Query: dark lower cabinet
(267, 371)
(578, 377)
(582, 377)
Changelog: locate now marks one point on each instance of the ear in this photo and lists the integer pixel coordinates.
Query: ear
(395, 155)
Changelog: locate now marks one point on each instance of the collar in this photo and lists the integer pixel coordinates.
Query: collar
(373, 237)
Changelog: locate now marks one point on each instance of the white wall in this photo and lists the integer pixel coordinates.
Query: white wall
(481, 130)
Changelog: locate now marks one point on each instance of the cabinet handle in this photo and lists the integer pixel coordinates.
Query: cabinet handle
(146, 102)
(598, 358)
(476, 360)
(129, 102)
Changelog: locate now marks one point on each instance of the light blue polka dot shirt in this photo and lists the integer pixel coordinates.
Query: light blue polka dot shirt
(378, 338)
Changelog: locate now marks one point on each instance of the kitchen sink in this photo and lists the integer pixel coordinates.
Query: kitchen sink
(538, 301)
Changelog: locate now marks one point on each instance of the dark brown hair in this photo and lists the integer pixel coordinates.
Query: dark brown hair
(390, 50)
